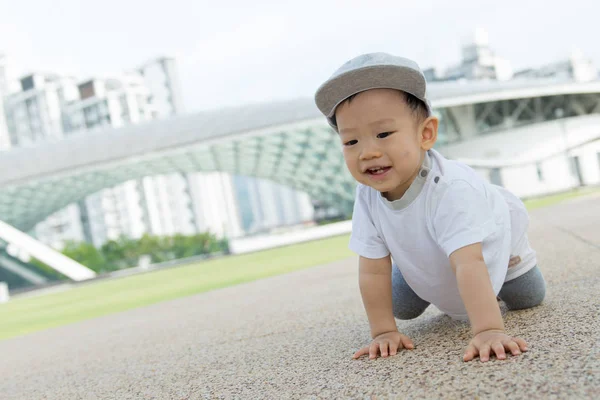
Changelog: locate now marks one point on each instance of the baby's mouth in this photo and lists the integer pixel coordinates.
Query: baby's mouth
(378, 170)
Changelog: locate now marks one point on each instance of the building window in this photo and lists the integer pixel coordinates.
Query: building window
(87, 90)
(540, 173)
(576, 170)
(27, 83)
(496, 177)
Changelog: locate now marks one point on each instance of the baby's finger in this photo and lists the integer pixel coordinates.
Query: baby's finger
(361, 352)
(498, 348)
(394, 348)
(383, 347)
(406, 342)
(373, 349)
(484, 352)
(470, 353)
(522, 344)
(512, 347)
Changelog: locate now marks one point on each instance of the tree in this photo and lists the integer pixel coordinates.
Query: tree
(125, 252)
(86, 254)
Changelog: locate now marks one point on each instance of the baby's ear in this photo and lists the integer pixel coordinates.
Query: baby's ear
(429, 133)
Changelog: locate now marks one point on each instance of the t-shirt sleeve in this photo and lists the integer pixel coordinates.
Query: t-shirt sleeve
(365, 240)
(463, 217)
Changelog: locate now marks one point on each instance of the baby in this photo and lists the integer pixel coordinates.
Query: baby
(427, 230)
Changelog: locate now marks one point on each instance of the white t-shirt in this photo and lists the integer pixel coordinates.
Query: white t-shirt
(447, 207)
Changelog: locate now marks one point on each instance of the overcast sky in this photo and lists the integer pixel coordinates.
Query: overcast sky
(245, 51)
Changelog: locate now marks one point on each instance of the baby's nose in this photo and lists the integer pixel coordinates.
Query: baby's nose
(370, 153)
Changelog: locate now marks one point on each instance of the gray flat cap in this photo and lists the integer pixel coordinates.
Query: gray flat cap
(370, 71)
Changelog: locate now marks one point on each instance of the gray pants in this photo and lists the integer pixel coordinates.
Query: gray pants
(526, 291)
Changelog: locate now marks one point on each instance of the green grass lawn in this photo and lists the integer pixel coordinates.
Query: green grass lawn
(560, 197)
(25, 315)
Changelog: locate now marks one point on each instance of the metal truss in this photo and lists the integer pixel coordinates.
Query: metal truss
(303, 154)
(307, 159)
(499, 115)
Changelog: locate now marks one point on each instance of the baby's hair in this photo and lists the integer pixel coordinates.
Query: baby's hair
(416, 105)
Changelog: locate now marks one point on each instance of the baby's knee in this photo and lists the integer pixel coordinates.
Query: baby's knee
(526, 291)
(405, 313)
(540, 295)
(532, 299)
(537, 296)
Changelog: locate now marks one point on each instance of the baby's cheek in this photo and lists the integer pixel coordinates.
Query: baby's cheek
(405, 154)
(407, 158)
(349, 163)
(352, 167)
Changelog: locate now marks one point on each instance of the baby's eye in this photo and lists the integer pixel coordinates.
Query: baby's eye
(350, 142)
(384, 135)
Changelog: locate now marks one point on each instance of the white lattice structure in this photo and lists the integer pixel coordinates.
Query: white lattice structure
(287, 142)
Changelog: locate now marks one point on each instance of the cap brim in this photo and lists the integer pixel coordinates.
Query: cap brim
(333, 92)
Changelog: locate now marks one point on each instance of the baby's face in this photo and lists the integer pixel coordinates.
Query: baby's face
(382, 141)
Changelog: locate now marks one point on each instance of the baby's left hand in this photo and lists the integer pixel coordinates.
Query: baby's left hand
(493, 341)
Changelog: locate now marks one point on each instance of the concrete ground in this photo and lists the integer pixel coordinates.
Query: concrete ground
(292, 336)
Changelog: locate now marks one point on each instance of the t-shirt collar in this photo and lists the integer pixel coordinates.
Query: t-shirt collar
(415, 187)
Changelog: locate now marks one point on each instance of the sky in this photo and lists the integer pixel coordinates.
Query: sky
(238, 52)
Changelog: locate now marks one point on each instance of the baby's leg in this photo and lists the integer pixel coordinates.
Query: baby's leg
(526, 291)
(406, 303)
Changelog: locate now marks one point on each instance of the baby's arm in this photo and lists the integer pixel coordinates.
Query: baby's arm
(375, 281)
(482, 307)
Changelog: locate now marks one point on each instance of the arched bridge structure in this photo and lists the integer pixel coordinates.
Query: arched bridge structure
(286, 142)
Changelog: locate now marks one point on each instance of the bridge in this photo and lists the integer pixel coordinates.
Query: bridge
(286, 142)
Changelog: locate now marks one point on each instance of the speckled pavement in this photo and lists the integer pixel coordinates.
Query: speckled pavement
(292, 337)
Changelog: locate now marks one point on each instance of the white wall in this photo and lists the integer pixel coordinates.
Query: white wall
(589, 158)
(557, 174)
(524, 146)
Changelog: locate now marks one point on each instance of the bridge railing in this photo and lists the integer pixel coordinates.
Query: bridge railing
(25, 244)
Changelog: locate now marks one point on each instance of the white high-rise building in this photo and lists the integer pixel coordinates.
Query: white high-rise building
(209, 195)
(114, 211)
(34, 114)
(161, 78)
(265, 205)
(172, 208)
(113, 102)
(215, 204)
(156, 205)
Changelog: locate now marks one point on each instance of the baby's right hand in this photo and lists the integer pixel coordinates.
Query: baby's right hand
(384, 344)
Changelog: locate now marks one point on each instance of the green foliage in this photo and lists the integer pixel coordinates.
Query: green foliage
(46, 271)
(125, 252)
(85, 253)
